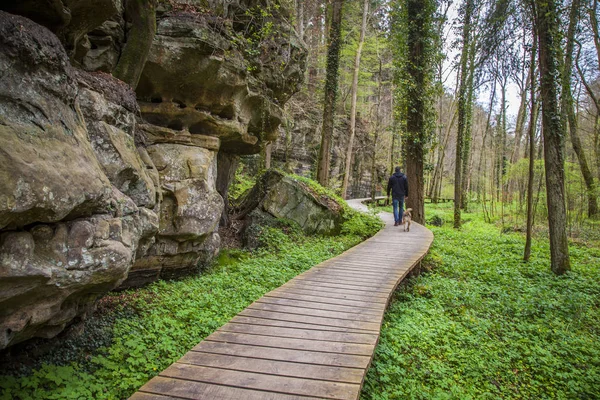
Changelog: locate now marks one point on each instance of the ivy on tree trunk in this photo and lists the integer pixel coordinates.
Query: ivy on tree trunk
(331, 91)
(547, 25)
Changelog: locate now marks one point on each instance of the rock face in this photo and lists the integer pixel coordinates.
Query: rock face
(189, 213)
(69, 230)
(205, 91)
(104, 187)
(283, 197)
(201, 77)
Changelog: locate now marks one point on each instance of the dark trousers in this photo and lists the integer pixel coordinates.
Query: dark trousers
(398, 209)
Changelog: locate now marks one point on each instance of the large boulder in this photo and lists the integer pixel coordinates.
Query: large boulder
(68, 233)
(282, 196)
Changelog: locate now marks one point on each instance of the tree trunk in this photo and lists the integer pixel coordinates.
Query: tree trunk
(467, 134)
(519, 126)
(331, 90)
(531, 134)
(376, 138)
(439, 169)
(392, 151)
(594, 24)
(485, 134)
(462, 110)
(568, 111)
(546, 22)
(596, 102)
(300, 18)
(142, 14)
(354, 95)
(417, 68)
(226, 167)
(502, 151)
(268, 150)
(315, 40)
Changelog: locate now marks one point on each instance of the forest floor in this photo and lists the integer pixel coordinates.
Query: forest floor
(480, 323)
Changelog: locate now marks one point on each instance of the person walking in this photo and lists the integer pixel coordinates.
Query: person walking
(398, 186)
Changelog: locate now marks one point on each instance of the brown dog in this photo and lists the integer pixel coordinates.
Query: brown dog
(406, 218)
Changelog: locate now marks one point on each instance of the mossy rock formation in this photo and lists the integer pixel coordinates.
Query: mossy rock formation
(104, 186)
(281, 196)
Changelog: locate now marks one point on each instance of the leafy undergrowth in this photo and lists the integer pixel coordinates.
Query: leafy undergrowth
(242, 181)
(169, 318)
(482, 324)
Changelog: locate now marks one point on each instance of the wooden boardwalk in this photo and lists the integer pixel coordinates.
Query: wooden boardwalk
(313, 337)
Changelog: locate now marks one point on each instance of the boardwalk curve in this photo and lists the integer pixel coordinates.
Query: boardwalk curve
(313, 337)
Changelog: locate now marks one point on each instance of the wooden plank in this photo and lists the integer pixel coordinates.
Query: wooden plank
(314, 313)
(345, 337)
(330, 294)
(271, 367)
(372, 271)
(348, 272)
(328, 275)
(326, 300)
(367, 270)
(383, 262)
(151, 396)
(367, 326)
(345, 281)
(250, 380)
(375, 270)
(305, 285)
(362, 272)
(185, 389)
(344, 284)
(341, 276)
(333, 273)
(319, 306)
(300, 356)
(241, 319)
(291, 343)
(333, 285)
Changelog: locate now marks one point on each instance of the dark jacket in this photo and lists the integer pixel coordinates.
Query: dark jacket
(398, 185)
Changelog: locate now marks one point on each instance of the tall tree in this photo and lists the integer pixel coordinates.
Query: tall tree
(596, 102)
(416, 92)
(546, 27)
(463, 95)
(361, 41)
(376, 128)
(568, 110)
(300, 18)
(531, 135)
(331, 91)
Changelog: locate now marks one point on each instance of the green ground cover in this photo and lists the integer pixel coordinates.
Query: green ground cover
(481, 324)
(154, 326)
